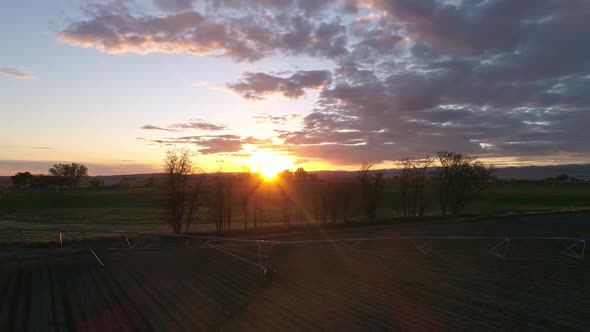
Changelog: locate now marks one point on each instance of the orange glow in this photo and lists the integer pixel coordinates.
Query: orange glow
(269, 164)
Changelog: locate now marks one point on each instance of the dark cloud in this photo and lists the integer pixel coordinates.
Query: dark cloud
(174, 5)
(15, 73)
(255, 85)
(494, 78)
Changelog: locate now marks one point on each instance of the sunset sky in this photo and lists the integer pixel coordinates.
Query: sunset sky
(326, 84)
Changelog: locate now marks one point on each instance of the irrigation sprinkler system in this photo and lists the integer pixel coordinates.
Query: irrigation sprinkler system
(262, 258)
(500, 249)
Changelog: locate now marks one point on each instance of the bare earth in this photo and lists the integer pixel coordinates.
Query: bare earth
(379, 285)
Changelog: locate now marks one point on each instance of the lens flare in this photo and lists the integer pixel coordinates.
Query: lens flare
(269, 164)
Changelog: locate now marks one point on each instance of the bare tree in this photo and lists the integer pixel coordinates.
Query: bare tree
(459, 175)
(371, 188)
(256, 209)
(335, 200)
(248, 184)
(195, 199)
(181, 196)
(285, 186)
(412, 180)
(300, 177)
(222, 201)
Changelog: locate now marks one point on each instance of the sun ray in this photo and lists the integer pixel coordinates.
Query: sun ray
(269, 164)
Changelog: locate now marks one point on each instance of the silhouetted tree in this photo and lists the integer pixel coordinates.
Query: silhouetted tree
(21, 179)
(248, 184)
(43, 181)
(285, 184)
(335, 200)
(257, 206)
(300, 180)
(195, 198)
(459, 175)
(371, 187)
(412, 181)
(300, 175)
(222, 201)
(181, 195)
(562, 177)
(72, 172)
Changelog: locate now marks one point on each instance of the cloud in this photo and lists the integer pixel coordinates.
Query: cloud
(255, 85)
(43, 148)
(495, 78)
(200, 125)
(275, 120)
(29, 147)
(15, 73)
(174, 5)
(185, 32)
(225, 31)
(213, 144)
(150, 127)
(192, 124)
(498, 78)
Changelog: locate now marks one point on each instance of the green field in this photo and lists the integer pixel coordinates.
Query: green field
(139, 209)
(104, 209)
(523, 196)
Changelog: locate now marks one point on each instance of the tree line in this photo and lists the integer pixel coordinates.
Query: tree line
(59, 175)
(224, 198)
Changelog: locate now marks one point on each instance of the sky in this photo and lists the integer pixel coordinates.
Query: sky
(328, 84)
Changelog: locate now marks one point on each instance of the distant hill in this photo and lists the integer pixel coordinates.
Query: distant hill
(542, 172)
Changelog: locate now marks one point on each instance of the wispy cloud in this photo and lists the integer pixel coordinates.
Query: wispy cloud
(43, 148)
(191, 124)
(28, 147)
(15, 73)
(151, 127)
(214, 144)
(275, 120)
(200, 125)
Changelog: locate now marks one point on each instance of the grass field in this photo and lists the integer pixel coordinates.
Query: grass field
(521, 196)
(383, 285)
(106, 209)
(139, 209)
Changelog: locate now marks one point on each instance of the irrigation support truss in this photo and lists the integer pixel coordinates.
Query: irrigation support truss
(424, 244)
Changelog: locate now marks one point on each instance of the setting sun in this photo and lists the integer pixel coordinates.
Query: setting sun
(269, 164)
